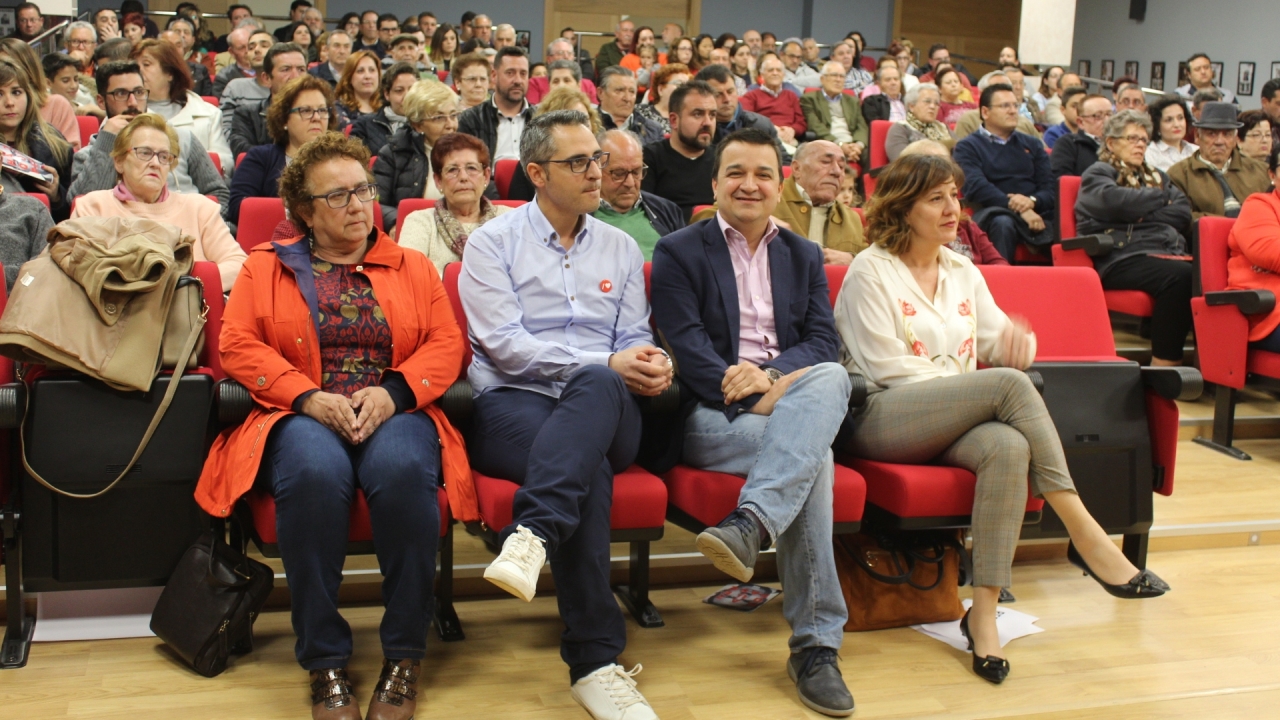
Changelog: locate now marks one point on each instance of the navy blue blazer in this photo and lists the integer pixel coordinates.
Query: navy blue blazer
(695, 307)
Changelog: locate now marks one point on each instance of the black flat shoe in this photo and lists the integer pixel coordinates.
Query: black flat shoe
(1145, 584)
(991, 668)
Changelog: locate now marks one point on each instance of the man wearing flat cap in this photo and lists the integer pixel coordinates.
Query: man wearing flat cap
(1218, 177)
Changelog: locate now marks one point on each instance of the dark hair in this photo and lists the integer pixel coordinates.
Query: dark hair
(233, 8)
(948, 70)
(935, 48)
(368, 12)
(269, 60)
(131, 6)
(437, 42)
(28, 6)
(55, 63)
(901, 184)
(985, 100)
(1197, 56)
(342, 24)
(390, 74)
(294, 5)
(94, 18)
(1270, 88)
(388, 16)
(171, 62)
(282, 103)
(470, 15)
(718, 73)
(725, 36)
(509, 51)
(426, 13)
(453, 142)
(105, 71)
(1250, 118)
(676, 103)
(1071, 92)
(1273, 158)
(766, 33)
(114, 49)
(1157, 108)
(747, 136)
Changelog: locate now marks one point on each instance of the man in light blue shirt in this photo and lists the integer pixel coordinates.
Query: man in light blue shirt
(559, 324)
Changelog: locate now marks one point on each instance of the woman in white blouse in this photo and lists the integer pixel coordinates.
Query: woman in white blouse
(1169, 144)
(915, 319)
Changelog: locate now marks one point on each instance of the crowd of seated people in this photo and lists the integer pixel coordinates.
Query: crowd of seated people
(650, 149)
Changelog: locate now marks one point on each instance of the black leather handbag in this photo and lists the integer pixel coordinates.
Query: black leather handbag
(207, 609)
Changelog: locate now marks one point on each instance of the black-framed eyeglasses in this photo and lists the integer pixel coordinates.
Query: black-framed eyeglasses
(339, 199)
(122, 95)
(620, 175)
(307, 113)
(145, 154)
(578, 165)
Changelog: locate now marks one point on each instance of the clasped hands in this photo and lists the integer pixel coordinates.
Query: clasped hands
(1025, 207)
(744, 379)
(646, 369)
(354, 419)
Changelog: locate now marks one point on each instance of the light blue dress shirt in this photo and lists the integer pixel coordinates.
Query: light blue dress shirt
(536, 312)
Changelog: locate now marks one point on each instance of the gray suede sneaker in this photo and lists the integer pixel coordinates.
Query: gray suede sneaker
(733, 545)
(818, 680)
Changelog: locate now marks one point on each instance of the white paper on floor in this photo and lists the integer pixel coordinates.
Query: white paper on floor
(1011, 624)
(95, 614)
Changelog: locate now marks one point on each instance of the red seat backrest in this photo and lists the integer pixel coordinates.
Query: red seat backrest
(868, 63)
(1068, 191)
(879, 133)
(211, 100)
(1065, 306)
(835, 280)
(503, 171)
(407, 207)
(44, 199)
(88, 126)
(809, 90)
(210, 356)
(451, 273)
(347, 130)
(240, 159)
(217, 161)
(786, 171)
(259, 217)
(1214, 251)
(442, 74)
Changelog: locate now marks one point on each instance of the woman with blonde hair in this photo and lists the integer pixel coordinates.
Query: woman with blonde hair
(56, 110)
(356, 93)
(144, 153)
(22, 129)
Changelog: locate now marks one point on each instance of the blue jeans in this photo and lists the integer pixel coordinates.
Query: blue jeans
(313, 475)
(786, 459)
(563, 453)
(1270, 343)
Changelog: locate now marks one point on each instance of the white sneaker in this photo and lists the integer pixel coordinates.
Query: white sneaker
(610, 694)
(517, 567)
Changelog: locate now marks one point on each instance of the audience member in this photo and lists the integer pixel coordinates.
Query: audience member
(1027, 107)
(462, 172)
(1201, 97)
(356, 93)
(180, 32)
(702, 47)
(368, 37)
(405, 48)
(1124, 197)
(665, 81)
(338, 47)
(23, 129)
(808, 202)
(970, 241)
(1200, 77)
(683, 52)
(1255, 135)
(444, 48)
(856, 77)
(1007, 176)
(1218, 177)
(644, 37)
(55, 110)
(283, 63)
(314, 20)
(63, 73)
(835, 115)
(778, 104)
(611, 53)
(250, 90)
(124, 98)
(1253, 263)
(299, 112)
(971, 120)
(618, 93)
(500, 122)
(1169, 133)
(375, 129)
(471, 74)
(561, 98)
(670, 33)
(643, 216)
(29, 22)
(1071, 100)
(680, 166)
(995, 424)
(1270, 99)
(730, 116)
(795, 70)
(568, 72)
(769, 400)
(1129, 96)
(403, 169)
(548, 383)
(743, 66)
(241, 67)
(171, 96)
(1074, 153)
(921, 122)
(134, 27)
(302, 37)
(1049, 96)
(296, 10)
(940, 55)
(106, 22)
(811, 52)
(953, 103)
(482, 31)
(79, 41)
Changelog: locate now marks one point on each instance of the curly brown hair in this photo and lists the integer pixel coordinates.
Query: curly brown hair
(664, 74)
(180, 82)
(294, 190)
(282, 104)
(345, 92)
(903, 183)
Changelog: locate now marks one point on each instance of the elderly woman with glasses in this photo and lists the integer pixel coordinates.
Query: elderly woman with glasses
(144, 154)
(345, 341)
(1148, 219)
(1255, 135)
(921, 123)
(298, 114)
(460, 168)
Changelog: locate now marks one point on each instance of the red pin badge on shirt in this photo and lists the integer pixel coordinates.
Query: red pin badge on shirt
(605, 286)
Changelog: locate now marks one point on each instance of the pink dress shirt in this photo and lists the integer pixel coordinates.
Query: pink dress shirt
(757, 336)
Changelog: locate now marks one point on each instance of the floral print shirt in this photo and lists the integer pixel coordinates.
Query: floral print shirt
(355, 339)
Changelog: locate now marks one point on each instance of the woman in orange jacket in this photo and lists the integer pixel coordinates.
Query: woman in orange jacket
(346, 341)
(1254, 263)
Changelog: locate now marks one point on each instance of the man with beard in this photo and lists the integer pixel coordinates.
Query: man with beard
(500, 121)
(680, 167)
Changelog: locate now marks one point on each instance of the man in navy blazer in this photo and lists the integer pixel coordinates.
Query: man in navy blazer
(744, 308)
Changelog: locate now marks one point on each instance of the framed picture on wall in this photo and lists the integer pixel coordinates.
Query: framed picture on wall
(1184, 73)
(1107, 71)
(1157, 76)
(524, 39)
(1132, 68)
(1084, 67)
(1275, 71)
(6, 21)
(1217, 73)
(1244, 81)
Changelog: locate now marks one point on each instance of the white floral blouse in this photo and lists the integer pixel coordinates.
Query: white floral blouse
(893, 335)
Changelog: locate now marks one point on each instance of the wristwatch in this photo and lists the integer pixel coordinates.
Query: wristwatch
(774, 375)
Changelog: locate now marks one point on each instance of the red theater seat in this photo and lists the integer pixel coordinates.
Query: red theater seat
(879, 133)
(88, 128)
(503, 172)
(1126, 302)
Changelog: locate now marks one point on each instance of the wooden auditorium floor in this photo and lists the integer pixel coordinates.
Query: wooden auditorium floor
(1209, 649)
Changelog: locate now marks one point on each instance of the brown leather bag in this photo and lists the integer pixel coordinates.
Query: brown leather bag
(900, 579)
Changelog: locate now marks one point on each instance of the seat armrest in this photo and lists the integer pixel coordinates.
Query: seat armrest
(1250, 302)
(234, 403)
(13, 402)
(1037, 380)
(1092, 245)
(1174, 383)
(858, 393)
(667, 402)
(458, 403)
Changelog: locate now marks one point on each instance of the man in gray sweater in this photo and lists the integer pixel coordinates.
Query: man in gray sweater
(248, 90)
(122, 95)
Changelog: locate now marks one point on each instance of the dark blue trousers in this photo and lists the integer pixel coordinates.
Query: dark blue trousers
(563, 453)
(313, 475)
